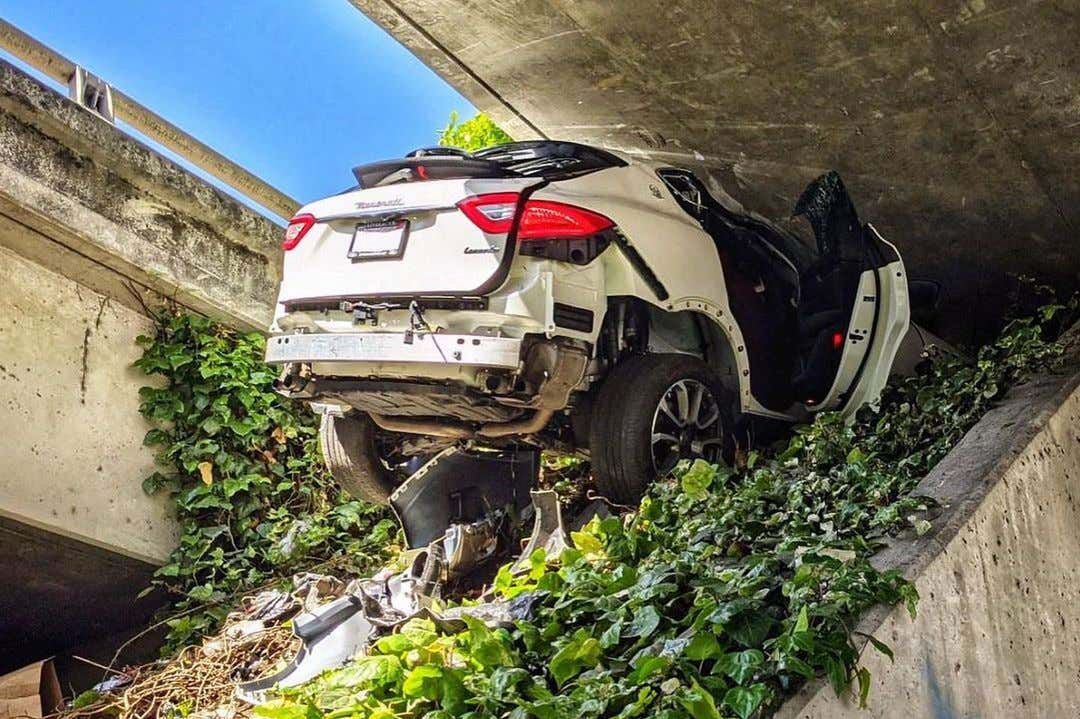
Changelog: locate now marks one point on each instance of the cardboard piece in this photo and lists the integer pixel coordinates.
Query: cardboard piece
(32, 691)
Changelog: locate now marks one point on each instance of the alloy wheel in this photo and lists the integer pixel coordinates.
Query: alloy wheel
(687, 424)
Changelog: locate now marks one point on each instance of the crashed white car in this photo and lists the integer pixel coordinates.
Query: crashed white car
(566, 297)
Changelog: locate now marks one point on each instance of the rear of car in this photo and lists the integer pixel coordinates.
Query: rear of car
(427, 289)
(552, 292)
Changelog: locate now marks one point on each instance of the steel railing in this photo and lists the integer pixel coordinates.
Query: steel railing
(114, 102)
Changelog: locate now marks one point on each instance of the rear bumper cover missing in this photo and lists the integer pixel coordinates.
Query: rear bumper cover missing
(473, 350)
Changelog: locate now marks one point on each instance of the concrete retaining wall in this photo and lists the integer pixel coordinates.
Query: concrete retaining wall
(94, 227)
(72, 452)
(79, 539)
(998, 626)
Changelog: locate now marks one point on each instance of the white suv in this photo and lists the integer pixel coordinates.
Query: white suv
(567, 297)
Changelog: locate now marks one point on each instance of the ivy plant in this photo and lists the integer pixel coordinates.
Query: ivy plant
(722, 594)
(475, 133)
(253, 501)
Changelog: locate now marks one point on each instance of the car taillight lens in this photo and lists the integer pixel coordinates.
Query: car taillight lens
(493, 213)
(548, 220)
(298, 227)
(547, 229)
(540, 220)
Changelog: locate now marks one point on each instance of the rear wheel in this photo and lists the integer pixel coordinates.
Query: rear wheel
(652, 411)
(354, 452)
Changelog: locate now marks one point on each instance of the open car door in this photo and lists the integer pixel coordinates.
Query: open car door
(854, 309)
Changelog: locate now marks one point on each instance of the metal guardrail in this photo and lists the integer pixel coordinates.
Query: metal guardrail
(59, 68)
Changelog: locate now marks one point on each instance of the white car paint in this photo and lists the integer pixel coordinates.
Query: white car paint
(436, 261)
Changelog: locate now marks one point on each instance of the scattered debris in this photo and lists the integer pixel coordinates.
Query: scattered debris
(548, 532)
(30, 692)
(200, 681)
(278, 639)
(335, 632)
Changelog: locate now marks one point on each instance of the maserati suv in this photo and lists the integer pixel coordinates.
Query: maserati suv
(566, 297)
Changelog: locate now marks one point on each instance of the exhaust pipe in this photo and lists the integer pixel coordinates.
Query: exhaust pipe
(569, 368)
(421, 426)
(522, 426)
(491, 430)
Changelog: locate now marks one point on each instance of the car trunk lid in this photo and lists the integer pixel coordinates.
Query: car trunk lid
(399, 240)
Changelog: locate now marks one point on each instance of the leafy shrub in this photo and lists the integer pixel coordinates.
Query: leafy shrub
(718, 598)
(253, 500)
(473, 134)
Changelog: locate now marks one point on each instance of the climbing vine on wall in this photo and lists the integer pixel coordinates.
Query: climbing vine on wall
(242, 466)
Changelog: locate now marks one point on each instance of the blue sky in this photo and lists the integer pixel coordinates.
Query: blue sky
(297, 91)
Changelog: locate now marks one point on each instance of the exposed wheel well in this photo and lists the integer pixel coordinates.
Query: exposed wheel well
(632, 326)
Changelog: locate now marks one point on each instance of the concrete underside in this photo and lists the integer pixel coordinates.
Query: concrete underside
(60, 593)
(998, 626)
(955, 124)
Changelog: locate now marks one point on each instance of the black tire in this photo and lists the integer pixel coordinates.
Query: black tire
(622, 423)
(351, 454)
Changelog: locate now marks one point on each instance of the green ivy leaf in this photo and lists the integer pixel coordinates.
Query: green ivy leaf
(581, 652)
(644, 622)
(286, 710)
(802, 623)
(744, 701)
(864, 686)
(698, 703)
(741, 666)
(703, 646)
(697, 479)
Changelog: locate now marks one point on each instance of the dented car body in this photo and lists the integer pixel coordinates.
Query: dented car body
(571, 298)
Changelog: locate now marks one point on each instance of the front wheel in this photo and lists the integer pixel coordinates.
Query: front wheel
(651, 412)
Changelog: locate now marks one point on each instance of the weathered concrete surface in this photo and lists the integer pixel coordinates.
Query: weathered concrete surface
(956, 124)
(72, 452)
(78, 537)
(93, 226)
(998, 626)
(84, 185)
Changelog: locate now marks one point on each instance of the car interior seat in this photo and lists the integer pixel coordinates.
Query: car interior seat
(829, 286)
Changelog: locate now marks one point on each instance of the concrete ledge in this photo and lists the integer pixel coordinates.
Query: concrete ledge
(998, 628)
(88, 187)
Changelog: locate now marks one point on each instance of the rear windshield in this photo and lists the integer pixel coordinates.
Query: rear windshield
(548, 159)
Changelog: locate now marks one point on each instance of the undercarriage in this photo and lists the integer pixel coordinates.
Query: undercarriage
(490, 404)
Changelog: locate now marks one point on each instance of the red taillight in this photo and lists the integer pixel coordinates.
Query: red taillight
(493, 213)
(548, 220)
(837, 340)
(540, 220)
(298, 227)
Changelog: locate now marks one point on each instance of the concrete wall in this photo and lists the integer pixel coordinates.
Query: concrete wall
(95, 227)
(998, 626)
(79, 539)
(72, 452)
